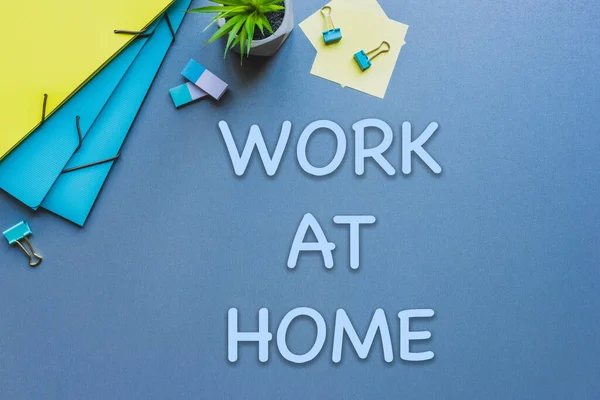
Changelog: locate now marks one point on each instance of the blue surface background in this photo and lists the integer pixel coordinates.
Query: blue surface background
(504, 245)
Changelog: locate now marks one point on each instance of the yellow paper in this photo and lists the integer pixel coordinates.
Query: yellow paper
(314, 26)
(341, 67)
(361, 30)
(55, 47)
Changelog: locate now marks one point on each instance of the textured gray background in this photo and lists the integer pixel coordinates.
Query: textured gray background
(503, 245)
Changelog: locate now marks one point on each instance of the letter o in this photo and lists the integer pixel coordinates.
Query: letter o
(319, 340)
(340, 152)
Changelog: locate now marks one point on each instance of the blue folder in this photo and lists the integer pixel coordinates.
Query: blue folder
(30, 170)
(74, 193)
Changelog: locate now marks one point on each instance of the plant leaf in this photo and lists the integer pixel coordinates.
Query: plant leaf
(268, 9)
(260, 24)
(222, 31)
(268, 25)
(212, 9)
(236, 11)
(265, 23)
(250, 26)
(243, 39)
(232, 35)
(228, 2)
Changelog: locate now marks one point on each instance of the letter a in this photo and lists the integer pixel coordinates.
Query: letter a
(322, 245)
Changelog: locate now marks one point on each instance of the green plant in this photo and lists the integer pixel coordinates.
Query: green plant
(242, 19)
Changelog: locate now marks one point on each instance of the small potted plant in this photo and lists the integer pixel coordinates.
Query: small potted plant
(252, 27)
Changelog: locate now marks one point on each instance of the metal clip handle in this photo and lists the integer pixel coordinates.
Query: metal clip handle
(379, 50)
(139, 34)
(92, 164)
(326, 11)
(45, 102)
(144, 32)
(34, 258)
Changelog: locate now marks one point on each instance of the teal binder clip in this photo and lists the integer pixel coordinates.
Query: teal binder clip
(331, 34)
(20, 233)
(364, 59)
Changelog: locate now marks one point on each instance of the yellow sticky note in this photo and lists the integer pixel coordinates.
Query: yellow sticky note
(314, 26)
(364, 26)
(364, 31)
(54, 48)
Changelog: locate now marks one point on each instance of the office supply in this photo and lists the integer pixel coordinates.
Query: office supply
(186, 93)
(312, 26)
(331, 33)
(330, 67)
(52, 48)
(18, 235)
(364, 59)
(362, 27)
(75, 192)
(30, 170)
(204, 79)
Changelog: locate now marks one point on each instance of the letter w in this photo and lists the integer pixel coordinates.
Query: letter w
(255, 139)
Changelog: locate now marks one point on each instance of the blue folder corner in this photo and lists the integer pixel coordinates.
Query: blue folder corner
(31, 169)
(74, 193)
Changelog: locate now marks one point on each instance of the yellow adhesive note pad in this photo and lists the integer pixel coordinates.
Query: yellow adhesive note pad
(362, 30)
(54, 48)
(314, 25)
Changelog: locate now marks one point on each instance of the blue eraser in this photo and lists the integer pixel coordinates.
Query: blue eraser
(193, 71)
(185, 94)
(362, 60)
(332, 36)
(17, 232)
(204, 79)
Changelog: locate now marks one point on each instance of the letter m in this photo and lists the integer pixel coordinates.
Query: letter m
(378, 323)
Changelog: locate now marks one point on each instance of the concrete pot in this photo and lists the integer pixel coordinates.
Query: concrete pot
(269, 46)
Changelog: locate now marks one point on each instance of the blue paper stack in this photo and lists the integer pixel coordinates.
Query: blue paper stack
(63, 165)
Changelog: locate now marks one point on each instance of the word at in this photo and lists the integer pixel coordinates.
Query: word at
(325, 247)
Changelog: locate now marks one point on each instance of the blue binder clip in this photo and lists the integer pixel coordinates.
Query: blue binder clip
(20, 233)
(331, 34)
(364, 59)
